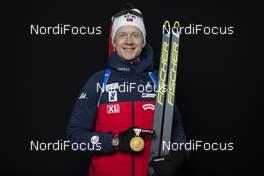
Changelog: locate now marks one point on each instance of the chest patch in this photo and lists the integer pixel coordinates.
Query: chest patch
(113, 108)
(148, 106)
(148, 95)
(112, 96)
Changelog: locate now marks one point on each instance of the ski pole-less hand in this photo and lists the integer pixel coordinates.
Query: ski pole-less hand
(131, 140)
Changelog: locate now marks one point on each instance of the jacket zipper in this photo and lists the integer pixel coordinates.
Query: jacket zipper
(133, 156)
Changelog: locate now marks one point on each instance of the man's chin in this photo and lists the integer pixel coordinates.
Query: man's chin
(129, 58)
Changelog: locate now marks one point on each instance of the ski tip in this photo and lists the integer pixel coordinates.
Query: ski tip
(166, 28)
(176, 29)
(176, 24)
(166, 24)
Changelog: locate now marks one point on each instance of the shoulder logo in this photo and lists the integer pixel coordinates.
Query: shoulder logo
(83, 96)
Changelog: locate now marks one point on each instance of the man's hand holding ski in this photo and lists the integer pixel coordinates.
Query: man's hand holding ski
(132, 140)
(170, 164)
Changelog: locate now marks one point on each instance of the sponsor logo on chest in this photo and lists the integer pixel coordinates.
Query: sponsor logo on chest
(148, 107)
(111, 87)
(148, 95)
(113, 108)
(112, 96)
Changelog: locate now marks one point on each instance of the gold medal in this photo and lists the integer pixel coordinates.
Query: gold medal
(137, 144)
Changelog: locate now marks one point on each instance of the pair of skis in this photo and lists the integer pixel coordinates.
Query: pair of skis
(163, 116)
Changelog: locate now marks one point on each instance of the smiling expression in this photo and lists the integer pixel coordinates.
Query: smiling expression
(128, 42)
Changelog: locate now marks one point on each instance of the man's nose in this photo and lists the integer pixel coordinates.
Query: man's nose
(129, 40)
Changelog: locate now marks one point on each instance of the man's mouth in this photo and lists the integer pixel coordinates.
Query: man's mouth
(128, 49)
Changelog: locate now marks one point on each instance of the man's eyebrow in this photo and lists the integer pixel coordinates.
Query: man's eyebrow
(122, 32)
(136, 32)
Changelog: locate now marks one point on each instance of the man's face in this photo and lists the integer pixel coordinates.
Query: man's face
(128, 42)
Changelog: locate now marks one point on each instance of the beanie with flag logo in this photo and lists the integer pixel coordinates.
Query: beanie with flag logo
(128, 17)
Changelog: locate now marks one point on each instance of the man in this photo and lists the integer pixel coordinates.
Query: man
(113, 117)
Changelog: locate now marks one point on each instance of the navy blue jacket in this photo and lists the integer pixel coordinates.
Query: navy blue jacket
(82, 125)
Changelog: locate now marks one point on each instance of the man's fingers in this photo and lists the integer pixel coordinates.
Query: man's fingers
(140, 131)
(158, 159)
(147, 132)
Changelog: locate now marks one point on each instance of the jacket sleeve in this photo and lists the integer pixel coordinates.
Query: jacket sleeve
(81, 124)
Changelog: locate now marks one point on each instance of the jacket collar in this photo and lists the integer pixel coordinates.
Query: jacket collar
(140, 65)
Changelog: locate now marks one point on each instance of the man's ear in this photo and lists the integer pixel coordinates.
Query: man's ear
(114, 47)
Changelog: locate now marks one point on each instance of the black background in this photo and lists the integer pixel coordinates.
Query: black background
(216, 83)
